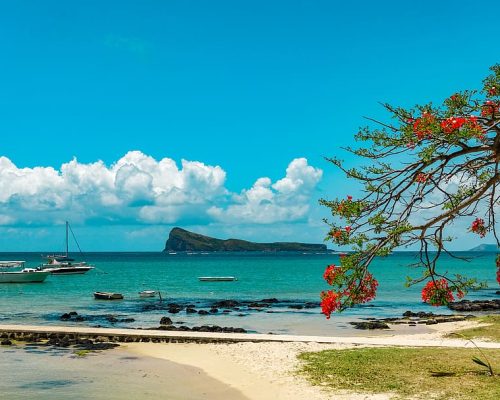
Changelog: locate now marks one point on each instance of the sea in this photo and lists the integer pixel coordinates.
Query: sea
(293, 279)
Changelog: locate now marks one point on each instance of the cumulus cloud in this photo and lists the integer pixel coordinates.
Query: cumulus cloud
(139, 189)
(265, 202)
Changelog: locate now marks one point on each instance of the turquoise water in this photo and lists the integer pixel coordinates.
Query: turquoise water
(293, 277)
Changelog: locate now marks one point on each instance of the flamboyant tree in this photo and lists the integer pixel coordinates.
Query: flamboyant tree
(428, 167)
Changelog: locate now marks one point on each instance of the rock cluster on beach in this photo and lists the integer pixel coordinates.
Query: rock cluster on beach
(73, 316)
(475, 305)
(409, 318)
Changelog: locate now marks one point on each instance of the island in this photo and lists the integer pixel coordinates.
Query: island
(182, 240)
(485, 247)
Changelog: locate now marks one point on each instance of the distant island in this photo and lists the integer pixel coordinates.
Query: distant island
(485, 247)
(183, 240)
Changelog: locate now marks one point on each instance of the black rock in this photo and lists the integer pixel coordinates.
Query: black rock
(5, 342)
(126, 320)
(271, 300)
(111, 318)
(370, 325)
(257, 305)
(190, 310)
(214, 310)
(165, 321)
(420, 314)
(65, 317)
(476, 305)
(73, 313)
(80, 318)
(226, 304)
(203, 312)
(296, 306)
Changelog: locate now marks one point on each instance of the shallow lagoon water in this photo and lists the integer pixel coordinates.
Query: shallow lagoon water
(287, 277)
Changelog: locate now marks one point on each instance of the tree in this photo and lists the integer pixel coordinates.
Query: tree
(429, 167)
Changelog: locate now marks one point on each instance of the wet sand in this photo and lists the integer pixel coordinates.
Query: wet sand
(52, 374)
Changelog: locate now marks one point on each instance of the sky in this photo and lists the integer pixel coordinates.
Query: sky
(128, 118)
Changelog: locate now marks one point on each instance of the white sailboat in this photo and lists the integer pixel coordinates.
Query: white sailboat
(62, 264)
(26, 275)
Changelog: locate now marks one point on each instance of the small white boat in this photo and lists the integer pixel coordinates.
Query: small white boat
(217, 278)
(147, 293)
(26, 275)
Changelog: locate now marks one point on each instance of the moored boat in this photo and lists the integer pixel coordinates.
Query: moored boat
(26, 275)
(217, 278)
(147, 293)
(62, 264)
(108, 296)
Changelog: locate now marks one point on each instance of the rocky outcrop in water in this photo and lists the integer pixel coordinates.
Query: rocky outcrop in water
(475, 305)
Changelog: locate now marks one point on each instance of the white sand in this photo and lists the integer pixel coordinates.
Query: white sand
(267, 370)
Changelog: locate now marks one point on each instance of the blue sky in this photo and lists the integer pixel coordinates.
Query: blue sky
(246, 86)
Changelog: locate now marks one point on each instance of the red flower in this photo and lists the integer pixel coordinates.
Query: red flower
(336, 234)
(332, 272)
(478, 227)
(330, 302)
(422, 178)
(492, 91)
(349, 198)
(348, 229)
(424, 126)
(437, 293)
(489, 108)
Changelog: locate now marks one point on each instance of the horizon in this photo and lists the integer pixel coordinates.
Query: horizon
(216, 117)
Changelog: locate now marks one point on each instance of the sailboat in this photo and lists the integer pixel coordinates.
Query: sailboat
(62, 264)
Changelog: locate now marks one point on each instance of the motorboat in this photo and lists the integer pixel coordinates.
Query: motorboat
(66, 267)
(63, 264)
(217, 278)
(25, 275)
(108, 296)
(147, 293)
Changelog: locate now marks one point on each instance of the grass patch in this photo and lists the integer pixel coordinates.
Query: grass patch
(492, 331)
(437, 373)
(82, 353)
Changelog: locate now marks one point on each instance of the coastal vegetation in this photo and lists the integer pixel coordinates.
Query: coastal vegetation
(419, 373)
(489, 329)
(431, 167)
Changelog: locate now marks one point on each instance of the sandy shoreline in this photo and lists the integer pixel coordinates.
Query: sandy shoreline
(241, 370)
(264, 371)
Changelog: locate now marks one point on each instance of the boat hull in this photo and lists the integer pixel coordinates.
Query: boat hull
(217, 278)
(107, 296)
(67, 270)
(23, 277)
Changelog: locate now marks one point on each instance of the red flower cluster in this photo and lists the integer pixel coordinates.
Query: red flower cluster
(437, 293)
(452, 124)
(330, 302)
(493, 91)
(422, 178)
(364, 291)
(341, 205)
(423, 126)
(489, 108)
(478, 227)
(332, 272)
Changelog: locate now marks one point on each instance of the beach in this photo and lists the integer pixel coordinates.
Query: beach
(239, 370)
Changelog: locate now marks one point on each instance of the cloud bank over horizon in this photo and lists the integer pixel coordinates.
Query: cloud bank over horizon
(137, 189)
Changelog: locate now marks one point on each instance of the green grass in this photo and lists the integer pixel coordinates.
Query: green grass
(491, 332)
(82, 353)
(437, 373)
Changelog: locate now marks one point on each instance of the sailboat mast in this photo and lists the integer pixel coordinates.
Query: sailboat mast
(66, 238)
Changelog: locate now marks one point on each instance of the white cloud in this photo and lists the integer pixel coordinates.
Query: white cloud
(139, 189)
(286, 200)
